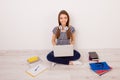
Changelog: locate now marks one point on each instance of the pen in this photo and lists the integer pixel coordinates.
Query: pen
(37, 68)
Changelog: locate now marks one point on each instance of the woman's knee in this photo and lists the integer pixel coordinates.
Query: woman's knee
(77, 54)
(50, 56)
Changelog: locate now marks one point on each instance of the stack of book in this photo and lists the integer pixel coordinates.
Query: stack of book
(100, 68)
(93, 56)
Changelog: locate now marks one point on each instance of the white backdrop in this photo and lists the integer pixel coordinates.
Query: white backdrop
(28, 24)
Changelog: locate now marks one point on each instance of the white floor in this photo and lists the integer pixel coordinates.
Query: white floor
(13, 65)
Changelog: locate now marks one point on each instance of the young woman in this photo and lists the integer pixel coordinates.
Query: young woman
(64, 34)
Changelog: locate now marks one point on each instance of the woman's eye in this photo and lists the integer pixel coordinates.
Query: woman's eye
(65, 17)
(61, 18)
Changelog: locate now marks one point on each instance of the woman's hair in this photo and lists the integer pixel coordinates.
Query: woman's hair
(67, 24)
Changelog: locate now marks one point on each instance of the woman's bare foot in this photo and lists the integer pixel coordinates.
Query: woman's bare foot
(77, 62)
(70, 63)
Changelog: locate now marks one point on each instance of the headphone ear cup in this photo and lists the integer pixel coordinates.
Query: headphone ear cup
(66, 28)
(60, 27)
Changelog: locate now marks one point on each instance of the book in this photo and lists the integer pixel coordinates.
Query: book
(93, 56)
(101, 72)
(34, 71)
(100, 67)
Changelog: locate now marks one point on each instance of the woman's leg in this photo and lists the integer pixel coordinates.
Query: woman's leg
(75, 57)
(63, 60)
(59, 60)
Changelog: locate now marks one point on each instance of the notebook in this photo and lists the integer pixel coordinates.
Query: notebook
(36, 70)
(101, 72)
(63, 50)
(100, 68)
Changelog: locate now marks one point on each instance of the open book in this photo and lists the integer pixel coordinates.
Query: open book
(36, 70)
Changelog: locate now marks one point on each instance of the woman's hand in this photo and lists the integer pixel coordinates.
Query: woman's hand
(72, 43)
(54, 44)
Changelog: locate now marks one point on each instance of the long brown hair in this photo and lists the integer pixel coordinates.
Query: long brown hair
(69, 34)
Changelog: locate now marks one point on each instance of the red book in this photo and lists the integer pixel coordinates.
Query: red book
(101, 72)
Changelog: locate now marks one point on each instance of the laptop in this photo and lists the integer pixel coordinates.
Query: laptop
(63, 50)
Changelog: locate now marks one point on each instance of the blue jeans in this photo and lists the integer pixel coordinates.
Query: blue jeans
(63, 60)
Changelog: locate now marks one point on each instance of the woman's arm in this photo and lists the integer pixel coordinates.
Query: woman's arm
(72, 42)
(53, 39)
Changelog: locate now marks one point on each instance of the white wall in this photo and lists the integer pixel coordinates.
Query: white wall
(28, 24)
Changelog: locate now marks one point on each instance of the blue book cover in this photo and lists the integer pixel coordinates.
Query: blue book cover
(99, 66)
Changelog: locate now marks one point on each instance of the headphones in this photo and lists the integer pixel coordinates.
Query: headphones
(66, 28)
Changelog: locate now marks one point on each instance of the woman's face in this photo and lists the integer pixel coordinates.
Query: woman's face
(63, 19)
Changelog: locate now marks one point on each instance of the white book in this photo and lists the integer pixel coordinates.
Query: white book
(36, 70)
